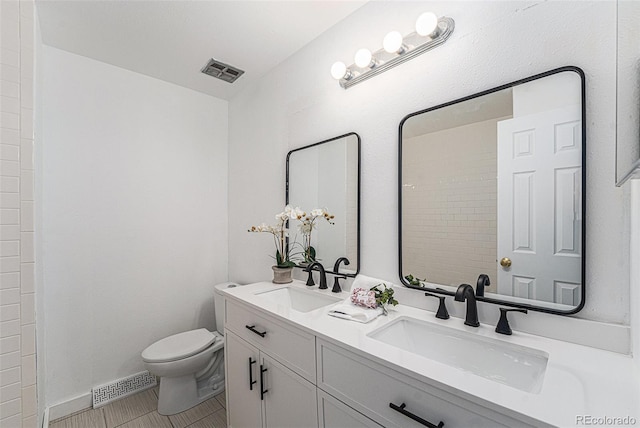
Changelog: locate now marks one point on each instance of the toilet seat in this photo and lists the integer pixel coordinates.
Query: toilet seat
(180, 346)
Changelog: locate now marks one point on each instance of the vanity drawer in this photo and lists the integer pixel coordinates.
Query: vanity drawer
(292, 347)
(370, 388)
(333, 413)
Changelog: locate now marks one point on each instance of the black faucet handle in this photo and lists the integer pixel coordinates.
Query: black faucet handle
(310, 281)
(503, 326)
(336, 283)
(442, 313)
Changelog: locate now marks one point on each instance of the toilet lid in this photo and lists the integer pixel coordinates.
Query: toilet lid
(178, 346)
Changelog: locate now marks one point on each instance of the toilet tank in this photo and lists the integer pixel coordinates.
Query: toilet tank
(218, 300)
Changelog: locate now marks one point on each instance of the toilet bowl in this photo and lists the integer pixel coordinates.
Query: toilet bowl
(190, 364)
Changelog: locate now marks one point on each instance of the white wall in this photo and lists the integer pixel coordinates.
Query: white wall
(18, 406)
(493, 43)
(134, 217)
(628, 104)
(635, 269)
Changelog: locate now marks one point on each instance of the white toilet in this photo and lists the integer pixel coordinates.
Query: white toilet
(190, 364)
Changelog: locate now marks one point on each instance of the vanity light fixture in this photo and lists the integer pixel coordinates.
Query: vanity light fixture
(364, 58)
(393, 43)
(431, 32)
(427, 24)
(339, 71)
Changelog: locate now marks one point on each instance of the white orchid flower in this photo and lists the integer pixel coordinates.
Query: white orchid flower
(280, 232)
(294, 213)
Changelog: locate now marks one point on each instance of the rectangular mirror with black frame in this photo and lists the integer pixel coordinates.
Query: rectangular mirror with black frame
(494, 184)
(326, 176)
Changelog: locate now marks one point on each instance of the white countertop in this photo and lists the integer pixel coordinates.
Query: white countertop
(579, 380)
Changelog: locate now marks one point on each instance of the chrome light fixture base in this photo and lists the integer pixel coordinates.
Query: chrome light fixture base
(386, 61)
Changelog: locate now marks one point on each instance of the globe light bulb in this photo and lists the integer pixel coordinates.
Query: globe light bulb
(427, 24)
(392, 42)
(338, 70)
(363, 58)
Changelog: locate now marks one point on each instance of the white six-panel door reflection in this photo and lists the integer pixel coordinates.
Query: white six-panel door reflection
(539, 206)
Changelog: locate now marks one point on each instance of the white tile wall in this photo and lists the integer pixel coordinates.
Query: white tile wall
(449, 210)
(18, 400)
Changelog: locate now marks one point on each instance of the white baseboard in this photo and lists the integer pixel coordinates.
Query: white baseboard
(68, 407)
(105, 394)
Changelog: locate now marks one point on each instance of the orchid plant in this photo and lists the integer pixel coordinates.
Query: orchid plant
(306, 226)
(285, 257)
(284, 253)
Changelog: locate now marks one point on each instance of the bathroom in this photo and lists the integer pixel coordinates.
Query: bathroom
(136, 191)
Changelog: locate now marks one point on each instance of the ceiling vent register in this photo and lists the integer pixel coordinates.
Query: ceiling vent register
(222, 71)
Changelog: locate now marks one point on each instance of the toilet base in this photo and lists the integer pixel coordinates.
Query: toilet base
(178, 394)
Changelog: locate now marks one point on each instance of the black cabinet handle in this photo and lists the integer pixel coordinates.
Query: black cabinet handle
(262, 390)
(251, 381)
(416, 418)
(253, 329)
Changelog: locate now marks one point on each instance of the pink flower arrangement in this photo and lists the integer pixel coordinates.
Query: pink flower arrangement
(363, 297)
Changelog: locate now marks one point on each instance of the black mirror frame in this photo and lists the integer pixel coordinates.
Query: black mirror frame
(584, 192)
(358, 192)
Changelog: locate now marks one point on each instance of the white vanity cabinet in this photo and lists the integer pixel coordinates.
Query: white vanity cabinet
(262, 389)
(393, 399)
(282, 376)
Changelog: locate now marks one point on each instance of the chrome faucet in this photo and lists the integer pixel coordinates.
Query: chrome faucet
(323, 275)
(465, 292)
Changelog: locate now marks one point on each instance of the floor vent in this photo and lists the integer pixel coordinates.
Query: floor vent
(222, 71)
(105, 394)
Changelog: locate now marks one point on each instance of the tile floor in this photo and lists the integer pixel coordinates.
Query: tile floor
(140, 411)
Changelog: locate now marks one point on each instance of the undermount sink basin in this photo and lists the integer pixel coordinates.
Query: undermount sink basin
(298, 300)
(510, 364)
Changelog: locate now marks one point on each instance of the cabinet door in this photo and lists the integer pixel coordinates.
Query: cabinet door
(289, 400)
(333, 413)
(244, 409)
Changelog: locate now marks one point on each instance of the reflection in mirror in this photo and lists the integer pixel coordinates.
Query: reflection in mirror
(493, 184)
(628, 91)
(327, 175)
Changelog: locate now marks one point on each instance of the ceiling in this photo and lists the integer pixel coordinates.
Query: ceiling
(173, 40)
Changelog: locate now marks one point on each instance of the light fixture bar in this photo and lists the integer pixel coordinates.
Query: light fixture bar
(445, 28)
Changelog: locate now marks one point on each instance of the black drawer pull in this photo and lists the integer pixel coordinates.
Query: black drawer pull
(251, 381)
(418, 419)
(253, 329)
(262, 390)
